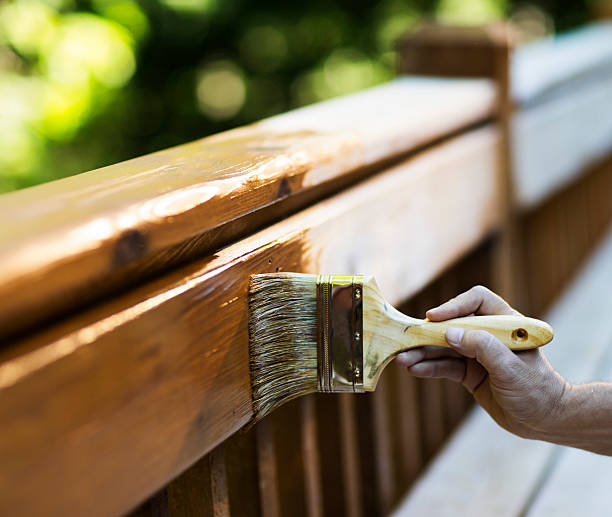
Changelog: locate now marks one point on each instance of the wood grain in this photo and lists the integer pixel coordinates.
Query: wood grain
(68, 242)
(173, 355)
(312, 460)
(266, 466)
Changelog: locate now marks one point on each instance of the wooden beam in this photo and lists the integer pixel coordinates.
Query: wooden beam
(453, 51)
(553, 143)
(66, 243)
(172, 355)
(547, 66)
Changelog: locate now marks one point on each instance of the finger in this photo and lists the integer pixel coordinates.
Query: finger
(415, 355)
(453, 369)
(532, 357)
(475, 375)
(489, 351)
(478, 300)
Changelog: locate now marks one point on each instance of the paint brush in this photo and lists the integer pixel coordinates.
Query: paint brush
(333, 333)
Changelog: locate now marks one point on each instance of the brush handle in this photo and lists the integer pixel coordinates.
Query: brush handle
(516, 332)
(387, 332)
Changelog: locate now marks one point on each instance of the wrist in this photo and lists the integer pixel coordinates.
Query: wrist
(564, 417)
(554, 423)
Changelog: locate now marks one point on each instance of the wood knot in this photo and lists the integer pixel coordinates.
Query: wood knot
(130, 246)
(284, 189)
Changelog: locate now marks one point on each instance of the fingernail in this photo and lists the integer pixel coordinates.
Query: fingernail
(410, 357)
(454, 335)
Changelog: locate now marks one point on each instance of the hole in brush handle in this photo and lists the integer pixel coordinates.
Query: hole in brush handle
(520, 334)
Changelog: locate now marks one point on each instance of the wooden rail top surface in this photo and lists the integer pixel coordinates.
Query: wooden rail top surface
(159, 376)
(142, 384)
(63, 242)
(542, 66)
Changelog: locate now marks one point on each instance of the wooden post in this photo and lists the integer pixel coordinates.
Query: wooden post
(478, 52)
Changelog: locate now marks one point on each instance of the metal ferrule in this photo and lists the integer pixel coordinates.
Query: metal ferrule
(340, 339)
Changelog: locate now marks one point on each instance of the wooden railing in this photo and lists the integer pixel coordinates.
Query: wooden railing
(123, 301)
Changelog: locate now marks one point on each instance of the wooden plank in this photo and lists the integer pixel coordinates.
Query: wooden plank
(539, 68)
(410, 451)
(268, 476)
(551, 147)
(290, 461)
(155, 506)
(190, 495)
(331, 441)
(579, 483)
(385, 465)
(312, 461)
(242, 474)
(431, 403)
(173, 355)
(351, 473)
(67, 242)
(455, 51)
(369, 497)
(477, 463)
(218, 482)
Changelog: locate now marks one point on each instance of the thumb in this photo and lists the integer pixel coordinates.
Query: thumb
(489, 351)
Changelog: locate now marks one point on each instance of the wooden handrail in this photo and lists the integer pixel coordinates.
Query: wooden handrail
(124, 395)
(544, 68)
(158, 377)
(67, 242)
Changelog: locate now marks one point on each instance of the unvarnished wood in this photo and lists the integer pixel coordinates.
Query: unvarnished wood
(579, 483)
(541, 68)
(488, 471)
(387, 332)
(66, 242)
(555, 142)
(173, 354)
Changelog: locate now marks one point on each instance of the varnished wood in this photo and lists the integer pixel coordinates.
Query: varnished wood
(383, 453)
(268, 476)
(242, 474)
(312, 461)
(179, 345)
(68, 242)
(455, 51)
(350, 456)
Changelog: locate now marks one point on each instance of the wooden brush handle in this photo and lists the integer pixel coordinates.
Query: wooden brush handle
(387, 332)
(516, 332)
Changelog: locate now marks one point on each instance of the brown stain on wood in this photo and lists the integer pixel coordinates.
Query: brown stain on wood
(67, 237)
(173, 355)
(141, 372)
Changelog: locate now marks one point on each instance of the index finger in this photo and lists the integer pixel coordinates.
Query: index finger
(478, 300)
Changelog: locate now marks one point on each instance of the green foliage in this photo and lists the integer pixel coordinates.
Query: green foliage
(86, 83)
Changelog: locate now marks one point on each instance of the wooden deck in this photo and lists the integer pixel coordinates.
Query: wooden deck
(485, 471)
(124, 370)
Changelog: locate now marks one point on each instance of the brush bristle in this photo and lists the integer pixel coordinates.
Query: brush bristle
(283, 338)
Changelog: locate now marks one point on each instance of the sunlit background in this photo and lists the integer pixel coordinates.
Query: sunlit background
(88, 83)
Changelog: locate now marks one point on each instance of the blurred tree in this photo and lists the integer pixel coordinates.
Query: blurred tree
(86, 83)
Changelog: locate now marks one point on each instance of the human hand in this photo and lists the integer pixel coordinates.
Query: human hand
(521, 391)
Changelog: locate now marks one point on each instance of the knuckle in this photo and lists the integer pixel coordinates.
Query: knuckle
(517, 371)
(481, 338)
(480, 290)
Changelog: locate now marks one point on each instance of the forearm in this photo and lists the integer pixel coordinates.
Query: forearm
(584, 419)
